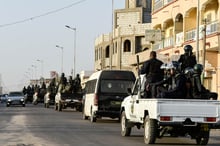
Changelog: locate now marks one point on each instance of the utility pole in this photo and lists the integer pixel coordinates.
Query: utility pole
(197, 30)
(204, 47)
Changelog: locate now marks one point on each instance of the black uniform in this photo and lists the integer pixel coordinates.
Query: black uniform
(179, 91)
(199, 91)
(152, 70)
(187, 61)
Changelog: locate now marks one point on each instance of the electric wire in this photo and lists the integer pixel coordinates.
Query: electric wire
(42, 15)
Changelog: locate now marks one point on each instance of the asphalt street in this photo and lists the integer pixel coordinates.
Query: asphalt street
(38, 126)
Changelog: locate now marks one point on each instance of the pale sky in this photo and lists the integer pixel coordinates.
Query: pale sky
(22, 44)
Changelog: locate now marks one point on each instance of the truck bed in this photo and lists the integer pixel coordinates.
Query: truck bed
(180, 109)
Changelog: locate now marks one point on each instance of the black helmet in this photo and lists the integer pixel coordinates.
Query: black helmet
(198, 68)
(188, 48)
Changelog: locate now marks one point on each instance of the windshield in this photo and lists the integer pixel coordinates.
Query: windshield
(16, 94)
(115, 86)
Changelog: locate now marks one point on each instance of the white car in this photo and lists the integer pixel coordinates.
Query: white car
(15, 98)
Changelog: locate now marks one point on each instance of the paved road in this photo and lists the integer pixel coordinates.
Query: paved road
(37, 126)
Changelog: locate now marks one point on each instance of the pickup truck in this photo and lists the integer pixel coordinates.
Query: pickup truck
(170, 117)
(64, 100)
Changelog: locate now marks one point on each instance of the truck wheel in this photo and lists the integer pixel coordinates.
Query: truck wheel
(92, 118)
(47, 105)
(84, 116)
(125, 130)
(55, 106)
(59, 107)
(203, 139)
(150, 130)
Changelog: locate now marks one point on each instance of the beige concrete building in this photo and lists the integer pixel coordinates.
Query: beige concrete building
(180, 21)
(177, 24)
(116, 49)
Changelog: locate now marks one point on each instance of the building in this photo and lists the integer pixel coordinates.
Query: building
(180, 21)
(115, 50)
(175, 24)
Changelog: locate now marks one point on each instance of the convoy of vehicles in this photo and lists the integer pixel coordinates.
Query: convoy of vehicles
(118, 94)
(104, 93)
(170, 117)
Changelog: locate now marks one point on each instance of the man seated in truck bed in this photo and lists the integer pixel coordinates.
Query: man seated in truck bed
(178, 85)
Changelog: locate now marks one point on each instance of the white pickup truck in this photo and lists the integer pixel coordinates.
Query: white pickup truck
(170, 117)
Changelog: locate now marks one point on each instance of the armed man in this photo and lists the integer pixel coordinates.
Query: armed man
(187, 59)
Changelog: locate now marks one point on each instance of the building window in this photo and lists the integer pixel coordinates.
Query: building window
(127, 46)
(107, 51)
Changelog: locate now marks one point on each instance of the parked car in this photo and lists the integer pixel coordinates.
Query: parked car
(15, 98)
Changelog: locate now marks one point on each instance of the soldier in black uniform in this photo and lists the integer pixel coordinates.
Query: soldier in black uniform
(151, 68)
(178, 85)
(187, 59)
(199, 91)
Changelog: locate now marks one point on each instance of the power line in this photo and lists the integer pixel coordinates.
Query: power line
(42, 15)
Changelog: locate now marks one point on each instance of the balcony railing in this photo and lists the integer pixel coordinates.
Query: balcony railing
(161, 3)
(167, 42)
(212, 28)
(191, 35)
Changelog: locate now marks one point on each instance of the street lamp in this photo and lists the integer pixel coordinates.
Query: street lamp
(42, 67)
(61, 57)
(35, 70)
(74, 55)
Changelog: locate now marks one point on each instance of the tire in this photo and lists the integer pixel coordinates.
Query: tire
(47, 105)
(23, 105)
(55, 106)
(59, 107)
(125, 130)
(150, 130)
(84, 116)
(203, 139)
(92, 118)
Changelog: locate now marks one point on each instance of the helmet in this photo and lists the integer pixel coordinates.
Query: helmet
(198, 68)
(188, 48)
(173, 65)
(163, 66)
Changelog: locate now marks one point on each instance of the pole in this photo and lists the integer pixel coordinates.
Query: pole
(204, 47)
(112, 44)
(74, 55)
(61, 57)
(197, 30)
(42, 67)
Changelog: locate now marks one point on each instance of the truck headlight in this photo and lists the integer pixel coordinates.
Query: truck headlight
(9, 99)
(22, 99)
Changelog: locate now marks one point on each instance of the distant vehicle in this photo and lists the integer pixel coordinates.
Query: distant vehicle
(49, 99)
(3, 98)
(72, 100)
(104, 92)
(15, 98)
